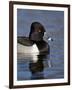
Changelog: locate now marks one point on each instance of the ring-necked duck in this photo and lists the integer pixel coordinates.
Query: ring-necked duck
(34, 44)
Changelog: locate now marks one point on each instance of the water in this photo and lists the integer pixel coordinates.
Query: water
(53, 64)
(53, 22)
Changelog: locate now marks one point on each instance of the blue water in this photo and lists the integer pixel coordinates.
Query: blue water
(53, 22)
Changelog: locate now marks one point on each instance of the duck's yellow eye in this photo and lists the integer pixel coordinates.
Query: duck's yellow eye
(39, 31)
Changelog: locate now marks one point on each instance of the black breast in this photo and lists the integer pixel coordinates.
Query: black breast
(43, 47)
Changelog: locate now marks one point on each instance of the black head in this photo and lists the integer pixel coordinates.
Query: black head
(36, 31)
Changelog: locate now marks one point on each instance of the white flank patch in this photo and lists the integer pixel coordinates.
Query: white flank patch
(27, 52)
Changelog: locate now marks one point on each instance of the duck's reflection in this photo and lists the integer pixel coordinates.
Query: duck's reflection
(37, 68)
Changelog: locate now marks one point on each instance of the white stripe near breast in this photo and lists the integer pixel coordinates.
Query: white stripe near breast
(27, 52)
(27, 49)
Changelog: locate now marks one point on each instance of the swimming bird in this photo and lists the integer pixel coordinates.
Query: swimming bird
(33, 45)
(34, 48)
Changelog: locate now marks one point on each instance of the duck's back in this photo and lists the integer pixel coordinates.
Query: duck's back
(24, 41)
(26, 46)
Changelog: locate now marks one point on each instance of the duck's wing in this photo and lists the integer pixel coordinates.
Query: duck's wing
(24, 41)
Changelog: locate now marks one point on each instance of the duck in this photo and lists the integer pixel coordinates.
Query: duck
(33, 45)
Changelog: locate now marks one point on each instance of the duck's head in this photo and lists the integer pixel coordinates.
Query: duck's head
(36, 31)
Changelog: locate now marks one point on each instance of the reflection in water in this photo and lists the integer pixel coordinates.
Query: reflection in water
(36, 68)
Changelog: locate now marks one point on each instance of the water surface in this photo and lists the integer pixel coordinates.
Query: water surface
(53, 22)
